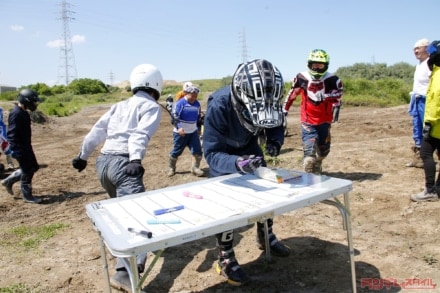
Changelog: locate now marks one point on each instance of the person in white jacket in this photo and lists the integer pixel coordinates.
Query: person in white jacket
(125, 129)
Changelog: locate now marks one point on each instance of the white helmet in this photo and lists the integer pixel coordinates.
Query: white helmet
(146, 76)
(187, 85)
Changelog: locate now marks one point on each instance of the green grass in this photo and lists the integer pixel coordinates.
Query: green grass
(28, 237)
(18, 288)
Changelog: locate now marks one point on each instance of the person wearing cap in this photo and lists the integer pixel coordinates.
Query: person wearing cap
(418, 95)
(431, 129)
(181, 94)
(187, 128)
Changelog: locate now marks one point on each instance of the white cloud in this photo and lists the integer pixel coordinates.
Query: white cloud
(55, 43)
(76, 39)
(16, 27)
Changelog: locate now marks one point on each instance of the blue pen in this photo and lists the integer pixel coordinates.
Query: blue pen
(168, 210)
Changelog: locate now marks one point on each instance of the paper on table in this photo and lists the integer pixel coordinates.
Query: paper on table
(276, 175)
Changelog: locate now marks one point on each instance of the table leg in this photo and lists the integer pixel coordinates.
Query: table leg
(266, 241)
(105, 264)
(131, 265)
(150, 267)
(350, 240)
(344, 209)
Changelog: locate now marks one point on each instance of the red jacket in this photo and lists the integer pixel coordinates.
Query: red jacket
(317, 97)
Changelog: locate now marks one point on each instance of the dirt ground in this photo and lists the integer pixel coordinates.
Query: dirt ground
(395, 240)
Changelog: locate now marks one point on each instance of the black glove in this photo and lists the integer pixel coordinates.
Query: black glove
(273, 148)
(79, 164)
(248, 164)
(426, 131)
(134, 168)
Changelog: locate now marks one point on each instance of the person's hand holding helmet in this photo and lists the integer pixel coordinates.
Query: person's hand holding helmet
(248, 164)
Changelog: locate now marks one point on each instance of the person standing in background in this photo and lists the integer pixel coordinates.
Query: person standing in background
(418, 96)
(4, 141)
(186, 115)
(20, 143)
(431, 129)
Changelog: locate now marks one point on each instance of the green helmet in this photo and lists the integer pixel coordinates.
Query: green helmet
(318, 56)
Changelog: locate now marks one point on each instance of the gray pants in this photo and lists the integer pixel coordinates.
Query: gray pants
(111, 174)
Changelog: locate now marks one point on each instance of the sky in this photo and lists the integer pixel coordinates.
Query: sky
(201, 39)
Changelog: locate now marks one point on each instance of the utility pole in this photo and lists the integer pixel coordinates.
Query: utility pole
(67, 67)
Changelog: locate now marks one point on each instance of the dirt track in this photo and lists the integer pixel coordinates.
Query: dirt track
(393, 237)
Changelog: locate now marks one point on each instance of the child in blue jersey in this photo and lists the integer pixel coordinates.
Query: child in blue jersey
(4, 142)
(187, 126)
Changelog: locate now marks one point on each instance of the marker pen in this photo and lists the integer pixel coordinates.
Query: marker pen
(190, 194)
(141, 232)
(168, 210)
(164, 221)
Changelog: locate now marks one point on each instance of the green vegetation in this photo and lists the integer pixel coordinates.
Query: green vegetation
(30, 237)
(18, 288)
(374, 85)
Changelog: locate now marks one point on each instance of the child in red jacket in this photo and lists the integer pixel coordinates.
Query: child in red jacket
(320, 91)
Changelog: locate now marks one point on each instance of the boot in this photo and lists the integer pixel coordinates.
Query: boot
(172, 167)
(10, 180)
(10, 162)
(309, 164)
(195, 168)
(26, 190)
(417, 161)
(276, 247)
(227, 265)
(317, 168)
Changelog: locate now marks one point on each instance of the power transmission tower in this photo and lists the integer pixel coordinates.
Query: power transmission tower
(244, 56)
(111, 77)
(67, 67)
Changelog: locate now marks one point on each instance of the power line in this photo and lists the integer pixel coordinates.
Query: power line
(67, 67)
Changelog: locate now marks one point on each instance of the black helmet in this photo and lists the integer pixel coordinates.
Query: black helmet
(29, 99)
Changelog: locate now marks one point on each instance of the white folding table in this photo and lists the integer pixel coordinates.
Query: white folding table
(209, 206)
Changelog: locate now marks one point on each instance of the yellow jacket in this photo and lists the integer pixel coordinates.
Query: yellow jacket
(432, 106)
